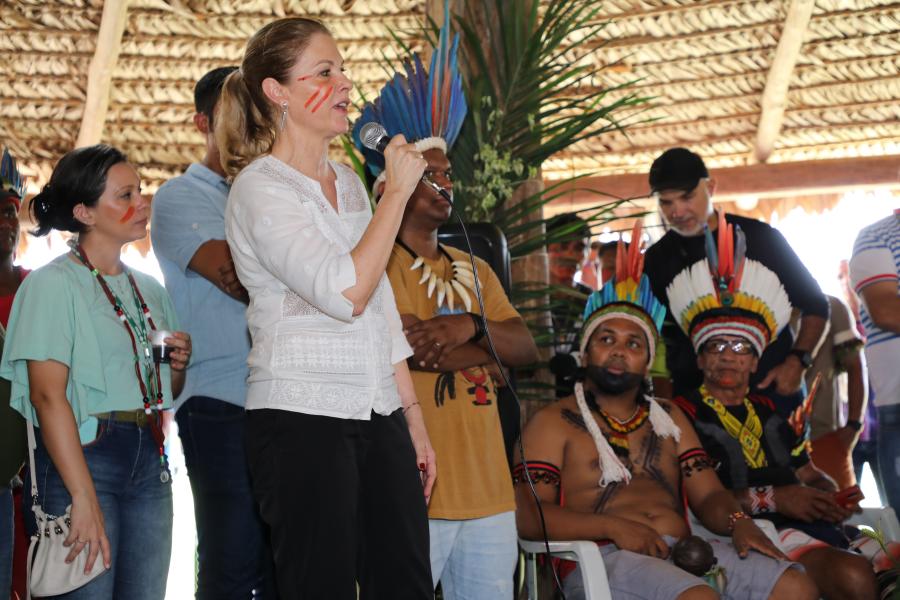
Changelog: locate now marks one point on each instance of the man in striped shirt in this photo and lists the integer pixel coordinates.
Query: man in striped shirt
(874, 271)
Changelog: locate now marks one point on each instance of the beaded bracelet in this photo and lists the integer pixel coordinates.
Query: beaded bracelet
(734, 517)
(409, 406)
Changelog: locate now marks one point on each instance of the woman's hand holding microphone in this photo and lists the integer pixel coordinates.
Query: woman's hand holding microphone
(404, 167)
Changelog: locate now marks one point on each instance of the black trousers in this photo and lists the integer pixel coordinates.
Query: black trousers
(344, 503)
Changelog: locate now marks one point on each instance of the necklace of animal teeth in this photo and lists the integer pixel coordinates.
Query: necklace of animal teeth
(459, 285)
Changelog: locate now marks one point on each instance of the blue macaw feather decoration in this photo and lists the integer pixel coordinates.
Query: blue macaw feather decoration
(9, 175)
(419, 104)
(712, 253)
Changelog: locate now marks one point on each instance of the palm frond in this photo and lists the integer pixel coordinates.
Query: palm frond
(530, 82)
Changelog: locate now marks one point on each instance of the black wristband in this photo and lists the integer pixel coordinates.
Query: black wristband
(854, 425)
(479, 327)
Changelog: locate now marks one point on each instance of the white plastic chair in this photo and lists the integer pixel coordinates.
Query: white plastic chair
(586, 554)
(882, 518)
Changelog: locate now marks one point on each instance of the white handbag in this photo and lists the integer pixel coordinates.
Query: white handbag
(48, 572)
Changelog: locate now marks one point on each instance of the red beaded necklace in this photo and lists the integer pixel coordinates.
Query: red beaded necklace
(137, 330)
(619, 430)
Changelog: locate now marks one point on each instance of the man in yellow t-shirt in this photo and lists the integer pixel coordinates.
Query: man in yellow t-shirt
(471, 515)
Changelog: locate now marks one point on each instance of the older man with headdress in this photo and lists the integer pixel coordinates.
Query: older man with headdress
(471, 515)
(732, 307)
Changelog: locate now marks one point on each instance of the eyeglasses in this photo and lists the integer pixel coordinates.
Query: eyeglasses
(737, 346)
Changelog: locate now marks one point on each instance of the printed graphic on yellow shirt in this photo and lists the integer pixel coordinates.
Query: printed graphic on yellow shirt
(481, 389)
(459, 407)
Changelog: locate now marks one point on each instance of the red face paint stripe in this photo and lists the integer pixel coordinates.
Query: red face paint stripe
(304, 78)
(128, 214)
(323, 99)
(311, 98)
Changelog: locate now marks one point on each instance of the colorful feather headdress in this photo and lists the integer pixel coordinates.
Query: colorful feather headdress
(729, 294)
(628, 296)
(428, 108)
(12, 181)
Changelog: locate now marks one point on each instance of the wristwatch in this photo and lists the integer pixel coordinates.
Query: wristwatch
(854, 425)
(805, 356)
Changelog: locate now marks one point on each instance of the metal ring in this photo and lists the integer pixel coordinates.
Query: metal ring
(437, 344)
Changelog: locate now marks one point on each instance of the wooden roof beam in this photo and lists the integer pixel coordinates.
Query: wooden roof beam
(100, 72)
(774, 98)
(778, 179)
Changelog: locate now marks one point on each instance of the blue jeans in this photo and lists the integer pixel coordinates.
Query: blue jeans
(889, 452)
(474, 559)
(233, 552)
(137, 510)
(6, 540)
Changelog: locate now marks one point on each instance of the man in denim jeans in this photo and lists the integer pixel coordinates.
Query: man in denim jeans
(874, 271)
(188, 235)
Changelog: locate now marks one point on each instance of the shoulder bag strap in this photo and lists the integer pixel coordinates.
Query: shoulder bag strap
(32, 444)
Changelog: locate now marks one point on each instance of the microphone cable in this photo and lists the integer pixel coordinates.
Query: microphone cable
(374, 136)
(493, 352)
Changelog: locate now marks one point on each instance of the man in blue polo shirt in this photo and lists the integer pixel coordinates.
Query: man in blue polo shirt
(188, 235)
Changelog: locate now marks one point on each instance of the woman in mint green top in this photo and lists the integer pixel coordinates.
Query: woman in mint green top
(79, 357)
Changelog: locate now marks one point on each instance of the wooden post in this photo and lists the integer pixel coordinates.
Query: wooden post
(99, 83)
(774, 98)
(533, 267)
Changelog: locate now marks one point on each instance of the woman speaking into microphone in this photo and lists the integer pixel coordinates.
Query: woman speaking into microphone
(340, 461)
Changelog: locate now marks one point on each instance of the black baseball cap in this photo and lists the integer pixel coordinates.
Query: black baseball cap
(677, 169)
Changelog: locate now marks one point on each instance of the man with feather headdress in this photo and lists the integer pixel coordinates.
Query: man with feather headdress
(471, 519)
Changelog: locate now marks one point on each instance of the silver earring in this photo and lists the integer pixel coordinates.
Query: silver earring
(284, 106)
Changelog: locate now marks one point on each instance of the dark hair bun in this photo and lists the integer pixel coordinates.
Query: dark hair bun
(48, 213)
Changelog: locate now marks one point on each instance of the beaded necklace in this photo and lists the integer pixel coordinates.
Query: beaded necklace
(748, 433)
(151, 387)
(618, 429)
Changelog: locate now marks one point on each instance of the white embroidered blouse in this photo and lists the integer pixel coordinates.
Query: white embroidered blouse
(291, 251)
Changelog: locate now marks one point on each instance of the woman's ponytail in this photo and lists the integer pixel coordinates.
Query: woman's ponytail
(243, 131)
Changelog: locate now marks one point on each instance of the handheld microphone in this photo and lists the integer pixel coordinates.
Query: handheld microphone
(375, 137)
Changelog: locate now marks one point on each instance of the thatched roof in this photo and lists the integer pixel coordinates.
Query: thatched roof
(705, 63)
(46, 49)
